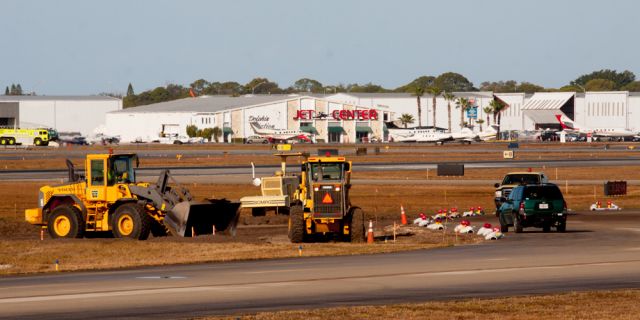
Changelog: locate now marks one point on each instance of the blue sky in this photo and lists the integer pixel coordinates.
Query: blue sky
(88, 47)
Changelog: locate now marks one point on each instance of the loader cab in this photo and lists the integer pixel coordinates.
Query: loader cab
(327, 186)
(106, 170)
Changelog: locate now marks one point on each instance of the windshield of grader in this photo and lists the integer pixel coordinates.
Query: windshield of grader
(323, 171)
(121, 170)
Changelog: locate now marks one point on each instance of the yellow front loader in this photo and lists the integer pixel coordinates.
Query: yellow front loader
(108, 199)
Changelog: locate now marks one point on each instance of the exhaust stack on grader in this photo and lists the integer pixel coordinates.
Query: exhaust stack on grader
(108, 198)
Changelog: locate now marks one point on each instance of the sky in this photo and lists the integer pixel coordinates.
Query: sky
(86, 47)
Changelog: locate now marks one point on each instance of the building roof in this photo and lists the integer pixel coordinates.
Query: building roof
(208, 103)
(390, 95)
(548, 100)
(57, 98)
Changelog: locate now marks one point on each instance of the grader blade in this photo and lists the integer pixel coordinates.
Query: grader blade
(200, 217)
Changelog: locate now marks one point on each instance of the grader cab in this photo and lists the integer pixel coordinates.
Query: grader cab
(323, 206)
(107, 198)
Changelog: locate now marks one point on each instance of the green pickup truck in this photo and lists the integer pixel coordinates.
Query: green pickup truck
(514, 179)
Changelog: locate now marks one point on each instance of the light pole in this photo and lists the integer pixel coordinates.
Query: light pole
(581, 87)
(253, 89)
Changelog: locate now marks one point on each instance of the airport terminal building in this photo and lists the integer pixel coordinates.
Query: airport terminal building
(328, 120)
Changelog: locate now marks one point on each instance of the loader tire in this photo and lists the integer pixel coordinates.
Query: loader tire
(356, 225)
(158, 229)
(296, 224)
(37, 141)
(131, 221)
(66, 222)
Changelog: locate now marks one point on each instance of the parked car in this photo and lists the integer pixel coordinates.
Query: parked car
(534, 205)
(258, 139)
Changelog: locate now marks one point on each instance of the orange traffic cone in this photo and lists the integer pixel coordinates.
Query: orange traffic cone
(403, 216)
(370, 232)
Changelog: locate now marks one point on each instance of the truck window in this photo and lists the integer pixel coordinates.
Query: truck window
(326, 171)
(542, 192)
(521, 179)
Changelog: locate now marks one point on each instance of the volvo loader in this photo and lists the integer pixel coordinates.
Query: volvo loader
(107, 198)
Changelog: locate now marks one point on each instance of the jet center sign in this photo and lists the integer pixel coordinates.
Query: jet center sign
(369, 114)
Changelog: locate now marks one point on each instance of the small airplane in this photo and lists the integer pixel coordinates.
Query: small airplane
(279, 134)
(418, 135)
(570, 126)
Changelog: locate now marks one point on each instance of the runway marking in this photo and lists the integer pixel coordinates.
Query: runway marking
(497, 259)
(275, 271)
(245, 287)
(629, 229)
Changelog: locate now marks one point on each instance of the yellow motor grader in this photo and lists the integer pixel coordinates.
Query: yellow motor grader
(317, 200)
(107, 198)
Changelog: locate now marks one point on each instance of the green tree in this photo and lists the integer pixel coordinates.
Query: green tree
(418, 92)
(199, 86)
(406, 119)
(6, 91)
(18, 90)
(307, 85)
(261, 86)
(423, 82)
(528, 87)
(192, 131)
(13, 89)
(632, 87)
(600, 85)
(449, 97)
(366, 88)
(231, 88)
(435, 92)
(464, 104)
(488, 110)
(480, 122)
(217, 132)
(130, 90)
(206, 133)
(496, 109)
(452, 82)
(620, 79)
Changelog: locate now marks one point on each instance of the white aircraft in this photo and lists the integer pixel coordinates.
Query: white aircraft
(466, 135)
(570, 126)
(279, 134)
(418, 135)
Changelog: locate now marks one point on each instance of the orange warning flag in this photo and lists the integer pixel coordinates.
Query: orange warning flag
(191, 93)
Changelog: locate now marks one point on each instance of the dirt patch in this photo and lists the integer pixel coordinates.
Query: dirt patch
(618, 304)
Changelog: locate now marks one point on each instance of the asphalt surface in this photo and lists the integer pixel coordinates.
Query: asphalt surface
(242, 174)
(598, 251)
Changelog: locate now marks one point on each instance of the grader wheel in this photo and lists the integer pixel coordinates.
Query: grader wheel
(66, 222)
(131, 221)
(356, 226)
(296, 224)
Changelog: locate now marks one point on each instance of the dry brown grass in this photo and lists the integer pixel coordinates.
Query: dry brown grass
(598, 305)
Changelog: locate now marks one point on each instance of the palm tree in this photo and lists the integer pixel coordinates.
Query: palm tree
(464, 105)
(497, 107)
(418, 91)
(435, 92)
(480, 122)
(488, 110)
(449, 97)
(406, 118)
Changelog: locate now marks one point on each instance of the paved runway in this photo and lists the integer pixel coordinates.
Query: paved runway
(242, 174)
(599, 251)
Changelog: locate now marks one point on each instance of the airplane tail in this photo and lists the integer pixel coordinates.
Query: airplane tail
(565, 122)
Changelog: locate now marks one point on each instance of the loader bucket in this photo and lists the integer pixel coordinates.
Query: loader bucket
(201, 216)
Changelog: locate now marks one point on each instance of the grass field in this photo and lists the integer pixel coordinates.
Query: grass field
(598, 305)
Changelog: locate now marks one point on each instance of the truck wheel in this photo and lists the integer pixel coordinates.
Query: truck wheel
(66, 222)
(37, 141)
(296, 224)
(562, 226)
(131, 221)
(517, 225)
(3, 141)
(356, 225)
(12, 141)
(504, 228)
(258, 212)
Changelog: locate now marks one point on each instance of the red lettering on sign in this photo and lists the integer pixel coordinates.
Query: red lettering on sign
(304, 115)
(369, 114)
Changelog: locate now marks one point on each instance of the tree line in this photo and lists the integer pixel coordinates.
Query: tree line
(602, 80)
(14, 90)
